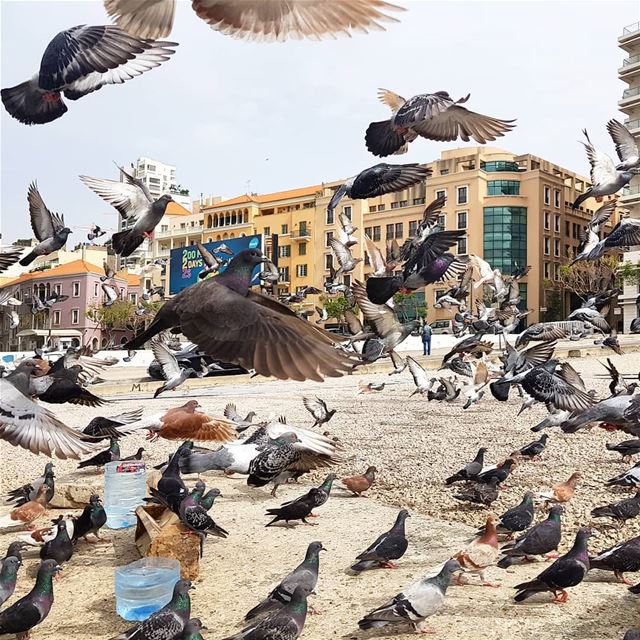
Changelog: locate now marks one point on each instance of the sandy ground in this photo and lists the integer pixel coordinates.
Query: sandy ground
(415, 445)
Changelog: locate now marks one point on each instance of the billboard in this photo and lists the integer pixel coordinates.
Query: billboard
(186, 263)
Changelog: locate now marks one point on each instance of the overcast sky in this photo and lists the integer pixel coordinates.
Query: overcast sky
(293, 114)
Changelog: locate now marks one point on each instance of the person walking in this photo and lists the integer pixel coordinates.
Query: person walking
(426, 338)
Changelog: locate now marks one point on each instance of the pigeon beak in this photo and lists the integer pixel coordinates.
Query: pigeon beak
(265, 259)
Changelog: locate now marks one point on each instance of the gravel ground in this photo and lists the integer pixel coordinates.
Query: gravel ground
(415, 445)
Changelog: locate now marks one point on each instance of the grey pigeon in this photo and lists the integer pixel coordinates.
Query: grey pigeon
(568, 570)
(614, 410)
(415, 604)
(621, 558)
(517, 518)
(28, 491)
(434, 116)
(319, 410)
(627, 448)
(470, 470)
(230, 322)
(15, 549)
(542, 538)
(8, 577)
(240, 422)
(626, 145)
(533, 449)
(195, 517)
(286, 623)
(628, 478)
(391, 545)
(378, 180)
(605, 178)
(167, 623)
(135, 204)
(48, 227)
(77, 62)
(305, 575)
(174, 375)
(32, 609)
(30, 425)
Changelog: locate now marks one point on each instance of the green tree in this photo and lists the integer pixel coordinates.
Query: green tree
(335, 307)
(629, 273)
(409, 306)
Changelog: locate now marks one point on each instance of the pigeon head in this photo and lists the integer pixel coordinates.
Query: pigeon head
(555, 512)
(573, 479)
(315, 548)
(544, 437)
(182, 587)
(451, 566)
(403, 515)
(64, 232)
(191, 405)
(286, 438)
(11, 564)
(49, 568)
(371, 469)
(192, 628)
(29, 366)
(215, 493)
(48, 467)
(200, 486)
(95, 499)
(247, 258)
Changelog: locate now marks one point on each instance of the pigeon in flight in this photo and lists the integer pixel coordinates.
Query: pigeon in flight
(606, 179)
(174, 375)
(9, 255)
(77, 62)
(95, 232)
(319, 410)
(28, 425)
(435, 116)
(267, 20)
(626, 146)
(48, 227)
(133, 202)
(378, 180)
(231, 323)
(211, 261)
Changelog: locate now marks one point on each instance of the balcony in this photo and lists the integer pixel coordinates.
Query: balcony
(303, 234)
(630, 35)
(630, 66)
(633, 126)
(630, 98)
(631, 195)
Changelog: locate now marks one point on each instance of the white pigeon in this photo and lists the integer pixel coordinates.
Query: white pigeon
(174, 375)
(420, 378)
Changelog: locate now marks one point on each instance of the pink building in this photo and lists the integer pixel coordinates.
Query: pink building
(66, 322)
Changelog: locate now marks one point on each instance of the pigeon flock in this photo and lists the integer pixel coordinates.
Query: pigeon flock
(225, 317)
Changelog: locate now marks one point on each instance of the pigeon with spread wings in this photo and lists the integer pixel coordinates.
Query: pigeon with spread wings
(173, 374)
(265, 20)
(435, 116)
(48, 227)
(134, 202)
(77, 62)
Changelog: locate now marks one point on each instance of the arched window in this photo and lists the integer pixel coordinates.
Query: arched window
(215, 220)
(246, 216)
(225, 236)
(234, 218)
(218, 237)
(94, 344)
(232, 235)
(75, 342)
(209, 240)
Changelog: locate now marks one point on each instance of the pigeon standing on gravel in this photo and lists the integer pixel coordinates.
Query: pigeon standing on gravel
(32, 609)
(415, 604)
(321, 494)
(28, 491)
(471, 470)
(620, 511)
(305, 575)
(481, 553)
(299, 509)
(533, 449)
(168, 622)
(8, 577)
(77, 62)
(484, 493)
(621, 558)
(626, 449)
(391, 545)
(319, 410)
(359, 484)
(285, 623)
(48, 227)
(60, 548)
(134, 202)
(568, 570)
(543, 538)
(501, 472)
(91, 520)
(517, 518)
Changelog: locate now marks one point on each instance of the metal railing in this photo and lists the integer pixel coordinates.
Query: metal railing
(628, 93)
(631, 60)
(632, 28)
(301, 233)
(632, 124)
(631, 191)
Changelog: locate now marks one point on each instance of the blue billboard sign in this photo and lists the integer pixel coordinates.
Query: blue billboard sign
(186, 263)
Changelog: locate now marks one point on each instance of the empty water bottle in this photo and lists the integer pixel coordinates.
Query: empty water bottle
(125, 486)
(145, 586)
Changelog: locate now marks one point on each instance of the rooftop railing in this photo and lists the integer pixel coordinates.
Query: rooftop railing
(632, 28)
(631, 60)
(629, 93)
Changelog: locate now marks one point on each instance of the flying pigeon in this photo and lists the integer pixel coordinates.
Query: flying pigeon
(378, 180)
(133, 202)
(435, 116)
(626, 146)
(415, 604)
(48, 227)
(28, 425)
(267, 20)
(101, 428)
(568, 570)
(174, 375)
(77, 62)
(391, 545)
(542, 538)
(606, 179)
(230, 322)
(168, 622)
(319, 410)
(9, 255)
(95, 232)
(32, 609)
(241, 423)
(110, 294)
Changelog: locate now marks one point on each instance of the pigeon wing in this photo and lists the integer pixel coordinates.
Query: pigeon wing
(626, 146)
(602, 167)
(375, 255)
(143, 18)
(44, 223)
(128, 199)
(168, 362)
(420, 377)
